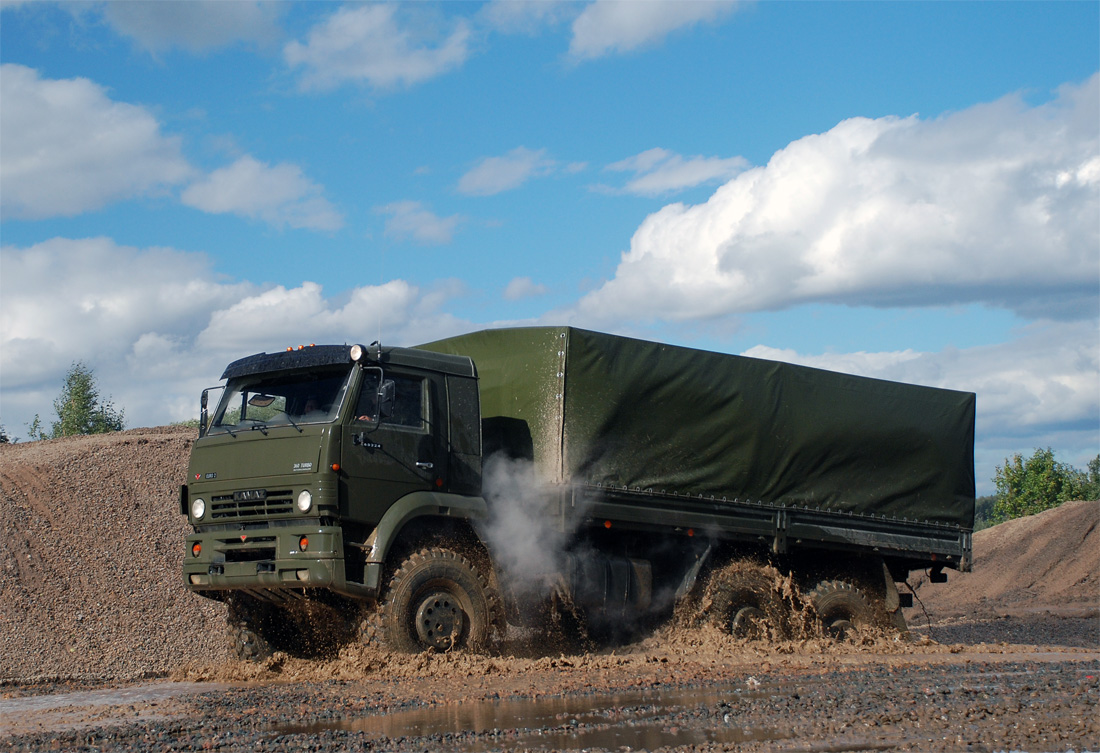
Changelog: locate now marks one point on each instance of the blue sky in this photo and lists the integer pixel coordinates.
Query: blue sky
(904, 190)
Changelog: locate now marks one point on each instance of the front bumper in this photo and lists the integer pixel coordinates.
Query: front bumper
(266, 558)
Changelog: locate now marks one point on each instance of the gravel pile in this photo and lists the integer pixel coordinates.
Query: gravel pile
(90, 553)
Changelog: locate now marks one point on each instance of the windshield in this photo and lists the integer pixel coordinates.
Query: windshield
(264, 400)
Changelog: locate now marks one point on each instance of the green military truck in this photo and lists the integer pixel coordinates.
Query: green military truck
(431, 496)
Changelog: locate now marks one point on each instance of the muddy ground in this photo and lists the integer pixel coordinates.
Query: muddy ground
(102, 649)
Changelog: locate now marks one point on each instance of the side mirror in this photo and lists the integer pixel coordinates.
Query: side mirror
(386, 396)
(203, 417)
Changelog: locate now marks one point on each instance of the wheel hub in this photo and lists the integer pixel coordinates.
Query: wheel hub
(439, 621)
(748, 622)
(839, 628)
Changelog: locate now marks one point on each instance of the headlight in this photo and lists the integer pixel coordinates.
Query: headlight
(198, 509)
(305, 501)
(356, 353)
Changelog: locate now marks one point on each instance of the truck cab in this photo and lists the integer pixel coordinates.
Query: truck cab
(314, 461)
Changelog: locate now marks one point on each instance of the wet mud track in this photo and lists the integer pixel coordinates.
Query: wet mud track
(968, 700)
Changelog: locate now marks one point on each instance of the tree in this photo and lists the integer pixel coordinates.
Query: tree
(79, 408)
(983, 512)
(1092, 480)
(4, 438)
(1026, 487)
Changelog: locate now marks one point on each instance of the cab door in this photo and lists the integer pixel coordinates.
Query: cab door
(383, 458)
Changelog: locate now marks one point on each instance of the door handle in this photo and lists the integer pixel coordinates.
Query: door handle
(424, 465)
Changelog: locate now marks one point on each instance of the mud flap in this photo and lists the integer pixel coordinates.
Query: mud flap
(892, 603)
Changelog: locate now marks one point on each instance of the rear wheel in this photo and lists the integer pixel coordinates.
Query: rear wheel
(437, 599)
(841, 607)
(743, 600)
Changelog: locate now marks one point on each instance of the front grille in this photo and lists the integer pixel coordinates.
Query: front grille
(277, 503)
(250, 555)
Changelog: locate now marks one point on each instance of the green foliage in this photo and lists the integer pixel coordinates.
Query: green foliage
(79, 408)
(1026, 487)
(4, 438)
(983, 512)
(34, 429)
(1091, 488)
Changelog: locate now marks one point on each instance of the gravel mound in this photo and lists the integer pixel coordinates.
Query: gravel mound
(1048, 562)
(90, 556)
(1036, 580)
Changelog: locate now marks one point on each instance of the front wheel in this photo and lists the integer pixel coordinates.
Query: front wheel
(249, 624)
(438, 600)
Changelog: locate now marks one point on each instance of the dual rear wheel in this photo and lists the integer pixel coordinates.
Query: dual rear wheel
(753, 601)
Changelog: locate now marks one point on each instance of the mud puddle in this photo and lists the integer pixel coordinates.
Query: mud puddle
(87, 708)
(634, 719)
(643, 719)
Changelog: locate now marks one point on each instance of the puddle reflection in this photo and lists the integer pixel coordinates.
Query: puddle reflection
(622, 720)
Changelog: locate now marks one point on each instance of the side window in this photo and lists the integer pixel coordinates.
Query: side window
(409, 403)
(409, 406)
(366, 408)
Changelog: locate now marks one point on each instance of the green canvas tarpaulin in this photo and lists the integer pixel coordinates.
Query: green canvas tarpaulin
(609, 411)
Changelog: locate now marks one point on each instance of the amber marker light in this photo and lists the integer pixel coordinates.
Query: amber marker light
(607, 524)
(336, 467)
(196, 549)
(303, 543)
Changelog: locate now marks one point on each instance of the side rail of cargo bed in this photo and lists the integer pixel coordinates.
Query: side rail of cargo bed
(780, 528)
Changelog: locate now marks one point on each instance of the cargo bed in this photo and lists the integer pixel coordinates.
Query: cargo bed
(656, 436)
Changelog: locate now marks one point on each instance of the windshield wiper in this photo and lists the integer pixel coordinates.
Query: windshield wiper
(291, 420)
(261, 426)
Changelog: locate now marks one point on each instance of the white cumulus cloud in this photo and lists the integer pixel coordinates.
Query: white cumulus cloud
(521, 17)
(196, 25)
(658, 171)
(279, 195)
(165, 329)
(411, 220)
(615, 26)
(523, 287)
(378, 45)
(64, 299)
(67, 148)
(496, 174)
(999, 203)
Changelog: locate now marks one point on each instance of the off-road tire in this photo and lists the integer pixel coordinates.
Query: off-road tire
(436, 599)
(841, 606)
(742, 600)
(247, 622)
